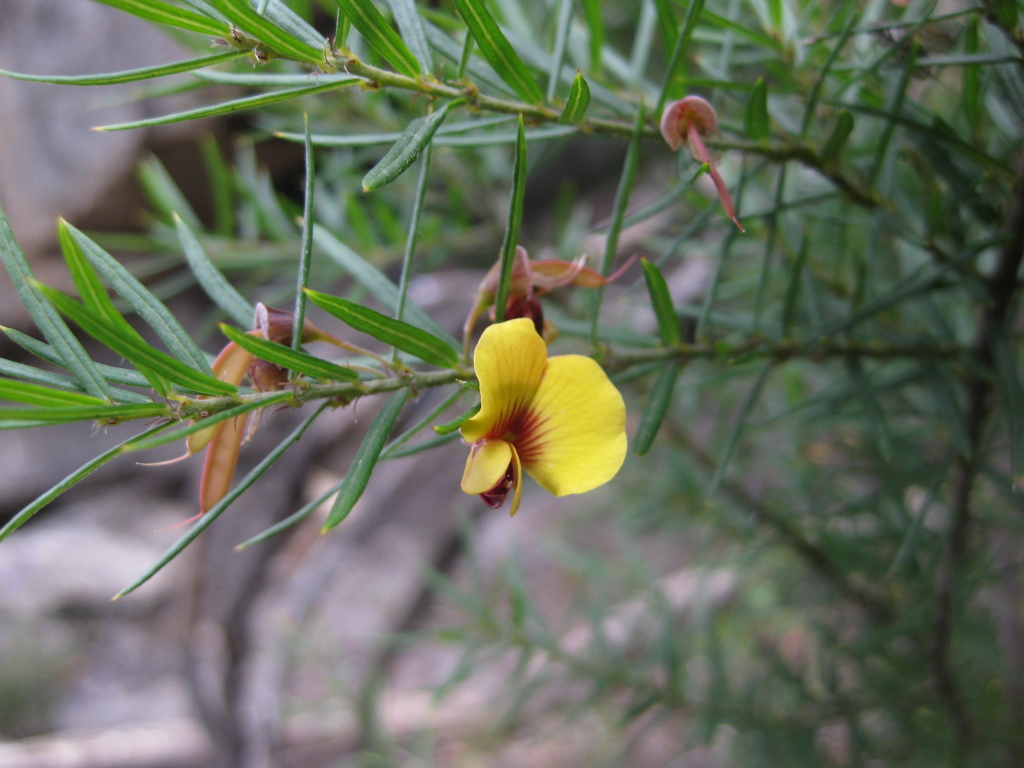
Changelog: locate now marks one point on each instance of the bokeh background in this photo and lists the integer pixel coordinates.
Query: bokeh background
(818, 561)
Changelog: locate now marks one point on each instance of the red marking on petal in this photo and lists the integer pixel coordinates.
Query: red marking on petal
(495, 497)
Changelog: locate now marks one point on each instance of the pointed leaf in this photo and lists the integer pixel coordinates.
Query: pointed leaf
(148, 306)
(756, 118)
(413, 32)
(70, 414)
(164, 194)
(130, 75)
(496, 48)
(171, 15)
(63, 382)
(46, 352)
(71, 353)
(34, 394)
(396, 333)
(658, 403)
(515, 220)
(379, 35)
(138, 353)
(211, 279)
(366, 459)
(236, 105)
(836, 142)
(661, 301)
(26, 512)
(206, 520)
(288, 20)
(579, 99)
(286, 357)
(377, 283)
(268, 32)
(404, 152)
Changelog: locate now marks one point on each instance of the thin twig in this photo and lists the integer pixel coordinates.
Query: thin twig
(1003, 287)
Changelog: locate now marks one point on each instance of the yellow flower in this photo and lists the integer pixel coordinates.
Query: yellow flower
(560, 419)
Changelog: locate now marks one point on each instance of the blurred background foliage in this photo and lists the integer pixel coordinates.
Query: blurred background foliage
(816, 560)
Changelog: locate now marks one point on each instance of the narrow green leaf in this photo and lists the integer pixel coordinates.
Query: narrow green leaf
(562, 32)
(222, 188)
(71, 353)
(594, 19)
(863, 388)
(396, 333)
(1005, 12)
(26, 512)
(138, 353)
(682, 43)
(658, 403)
(668, 27)
(306, 245)
(272, 36)
(419, 447)
(63, 382)
(288, 20)
(579, 99)
(94, 295)
(211, 279)
(971, 77)
(46, 352)
(496, 48)
(737, 429)
(415, 429)
(164, 194)
(366, 459)
(208, 10)
(286, 357)
(171, 15)
(661, 301)
(235, 105)
(622, 193)
(793, 287)
(756, 119)
(206, 520)
(130, 75)
(404, 152)
(34, 394)
(292, 519)
(515, 220)
(87, 281)
(412, 234)
(70, 414)
(148, 306)
(379, 35)
(377, 283)
(451, 426)
(836, 142)
(1012, 392)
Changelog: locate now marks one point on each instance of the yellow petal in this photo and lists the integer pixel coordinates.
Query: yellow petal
(519, 483)
(509, 362)
(578, 440)
(487, 463)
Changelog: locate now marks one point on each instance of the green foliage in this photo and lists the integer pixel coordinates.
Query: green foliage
(827, 406)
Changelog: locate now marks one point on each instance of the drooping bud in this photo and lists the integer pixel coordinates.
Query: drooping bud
(684, 122)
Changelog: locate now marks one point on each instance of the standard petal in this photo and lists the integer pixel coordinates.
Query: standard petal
(487, 463)
(509, 362)
(575, 433)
